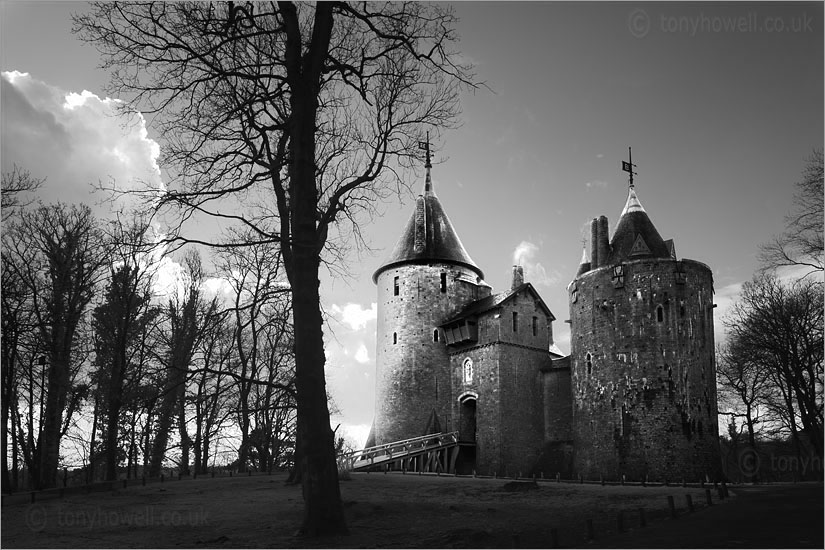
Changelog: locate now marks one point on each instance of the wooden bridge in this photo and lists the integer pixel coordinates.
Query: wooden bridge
(427, 453)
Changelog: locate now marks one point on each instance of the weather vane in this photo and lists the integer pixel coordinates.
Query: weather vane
(428, 183)
(628, 165)
(426, 146)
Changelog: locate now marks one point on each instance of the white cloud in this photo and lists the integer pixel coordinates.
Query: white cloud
(526, 255)
(362, 355)
(354, 315)
(74, 140)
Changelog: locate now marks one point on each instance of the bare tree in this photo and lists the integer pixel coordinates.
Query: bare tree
(187, 315)
(745, 386)
(15, 186)
(780, 327)
(802, 243)
(303, 114)
(119, 323)
(57, 256)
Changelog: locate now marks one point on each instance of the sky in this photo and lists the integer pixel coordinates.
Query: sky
(721, 103)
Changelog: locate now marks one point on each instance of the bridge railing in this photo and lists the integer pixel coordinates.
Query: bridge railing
(396, 449)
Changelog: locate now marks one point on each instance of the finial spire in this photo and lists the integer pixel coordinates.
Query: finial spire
(428, 183)
(628, 166)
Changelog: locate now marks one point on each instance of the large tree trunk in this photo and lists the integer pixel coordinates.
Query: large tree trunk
(115, 402)
(165, 416)
(315, 453)
(58, 389)
(185, 440)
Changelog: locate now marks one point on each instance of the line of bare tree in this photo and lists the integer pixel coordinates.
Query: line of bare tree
(289, 121)
(770, 369)
(107, 366)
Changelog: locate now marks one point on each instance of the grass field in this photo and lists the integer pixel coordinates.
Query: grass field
(390, 510)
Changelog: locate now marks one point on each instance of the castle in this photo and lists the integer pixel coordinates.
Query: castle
(636, 397)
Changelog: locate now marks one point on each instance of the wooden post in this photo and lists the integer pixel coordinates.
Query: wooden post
(672, 507)
(708, 497)
(161, 478)
(558, 477)
(689, 501)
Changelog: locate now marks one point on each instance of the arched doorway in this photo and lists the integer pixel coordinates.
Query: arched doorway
(467, 424)
(467, 408)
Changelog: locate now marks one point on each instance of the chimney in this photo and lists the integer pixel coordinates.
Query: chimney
(603, 243)
(518, 277)
(594, 243)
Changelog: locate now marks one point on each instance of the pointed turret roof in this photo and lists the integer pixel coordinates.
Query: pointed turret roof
(635, 235)
(429, 236)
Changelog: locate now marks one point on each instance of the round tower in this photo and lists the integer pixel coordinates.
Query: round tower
(642, 357)
(428, 278)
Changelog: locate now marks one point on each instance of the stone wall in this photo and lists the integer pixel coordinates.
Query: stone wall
(643, 377)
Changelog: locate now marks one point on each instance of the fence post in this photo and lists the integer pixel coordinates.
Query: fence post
(672, 506)
(689, 501)
(708, 497)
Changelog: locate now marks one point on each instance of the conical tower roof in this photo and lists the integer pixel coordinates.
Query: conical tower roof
(428, 237)
(635, 235)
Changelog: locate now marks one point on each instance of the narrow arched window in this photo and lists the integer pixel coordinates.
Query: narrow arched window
(394, 337)
(395, 286)
(660, 314)
(468, 371)
(435, 335)
(443, 283)
(589, 361)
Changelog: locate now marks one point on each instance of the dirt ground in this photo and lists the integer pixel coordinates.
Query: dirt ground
(389, 511)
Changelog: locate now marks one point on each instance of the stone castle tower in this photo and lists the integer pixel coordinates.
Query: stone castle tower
(642, 356)
(428, 277)
(635, 397)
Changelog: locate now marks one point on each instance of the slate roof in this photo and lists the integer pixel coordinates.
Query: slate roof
(491, 302)
(635, 235)
(429, 236)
